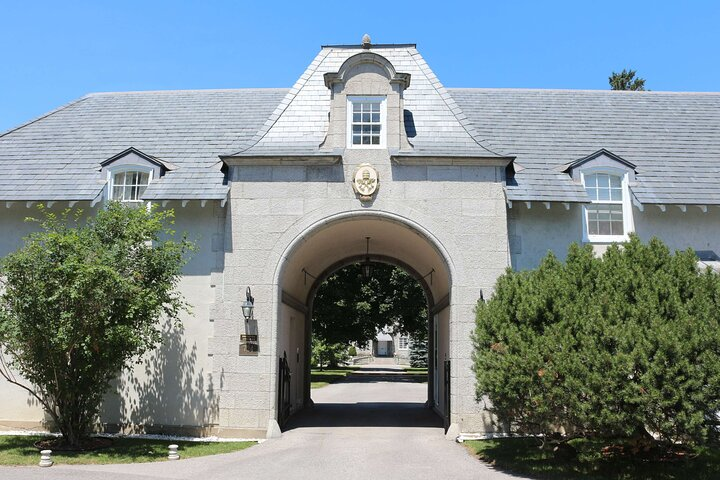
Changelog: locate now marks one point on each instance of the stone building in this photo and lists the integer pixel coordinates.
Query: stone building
(281, 187)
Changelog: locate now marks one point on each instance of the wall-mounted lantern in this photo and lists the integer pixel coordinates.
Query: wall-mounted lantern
(248, 305)
(249, 344)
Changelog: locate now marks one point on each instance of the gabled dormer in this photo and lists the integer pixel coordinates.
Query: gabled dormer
(606, 177)
(130, 172)
(599, 159)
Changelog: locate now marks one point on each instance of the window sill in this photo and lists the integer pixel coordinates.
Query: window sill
(366, 147)
(606, 238)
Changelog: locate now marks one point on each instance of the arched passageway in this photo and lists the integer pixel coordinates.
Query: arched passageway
(332, 245)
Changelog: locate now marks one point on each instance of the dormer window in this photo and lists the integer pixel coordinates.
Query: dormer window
(606, 178)
(608, 217)
(605, 215)
(129, 185)
(130, 172)
(366, 122)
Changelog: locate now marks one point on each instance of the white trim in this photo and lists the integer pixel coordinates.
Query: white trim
(383, 119)
(628, 222)
(112, 171)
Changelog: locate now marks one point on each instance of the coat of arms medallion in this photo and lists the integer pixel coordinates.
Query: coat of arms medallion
(365, 181)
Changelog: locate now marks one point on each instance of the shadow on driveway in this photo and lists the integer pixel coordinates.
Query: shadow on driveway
(370, 414)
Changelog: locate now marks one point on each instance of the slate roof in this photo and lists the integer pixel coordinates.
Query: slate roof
(58, 156)
(672, 138)
(299, 124)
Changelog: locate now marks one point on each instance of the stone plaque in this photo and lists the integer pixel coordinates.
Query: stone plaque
(249, 345)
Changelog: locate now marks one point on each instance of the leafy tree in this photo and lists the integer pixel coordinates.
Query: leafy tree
(626, 80)
(349, 308)
(617, 345)
(79, 301)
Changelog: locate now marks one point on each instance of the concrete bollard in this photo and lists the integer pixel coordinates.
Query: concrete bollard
(173, 454)
(46, 458)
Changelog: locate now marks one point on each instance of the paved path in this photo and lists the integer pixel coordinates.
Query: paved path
(361, 428)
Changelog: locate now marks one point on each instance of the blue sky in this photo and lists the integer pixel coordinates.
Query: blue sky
(54, 52)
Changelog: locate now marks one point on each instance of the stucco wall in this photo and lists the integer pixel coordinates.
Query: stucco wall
(535, 231)
(171, 386)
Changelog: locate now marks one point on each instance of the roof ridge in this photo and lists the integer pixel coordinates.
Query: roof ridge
(43, 116)
(450, 102)
(372, 45)
(573, 90)
(287, 101)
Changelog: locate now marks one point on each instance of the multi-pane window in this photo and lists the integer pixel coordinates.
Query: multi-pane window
(366, 122)
(129, 186)
(605, 214)
(403, 342)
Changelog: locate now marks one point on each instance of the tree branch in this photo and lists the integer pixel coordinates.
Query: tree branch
(5, 372)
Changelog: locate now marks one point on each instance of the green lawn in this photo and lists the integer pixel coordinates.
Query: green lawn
(319, 379)
(19, 450)
(522, 456)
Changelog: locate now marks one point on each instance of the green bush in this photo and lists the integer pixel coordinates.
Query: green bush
(81, 300)
(328, 354)
(352, 351)
(604, 346)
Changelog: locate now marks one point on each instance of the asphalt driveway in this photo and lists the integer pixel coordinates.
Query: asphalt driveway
(366, 427)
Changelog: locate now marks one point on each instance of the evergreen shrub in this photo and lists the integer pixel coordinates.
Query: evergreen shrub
(618, 345)
(419, 352)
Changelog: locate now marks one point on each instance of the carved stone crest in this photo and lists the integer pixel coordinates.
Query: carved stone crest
(365, 181)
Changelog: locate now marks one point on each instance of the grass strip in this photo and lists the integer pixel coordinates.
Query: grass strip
(522, 456)
(323, 378)
(19, 450)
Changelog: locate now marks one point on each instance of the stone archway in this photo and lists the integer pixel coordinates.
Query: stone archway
(340, 240)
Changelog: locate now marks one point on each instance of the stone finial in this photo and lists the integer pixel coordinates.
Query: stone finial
(173, 452)
(366, 41)
(46, 458)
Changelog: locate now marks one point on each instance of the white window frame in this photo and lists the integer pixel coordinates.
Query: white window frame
(111, 172)
(626, 203)
(351, 99)
(407, 342)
